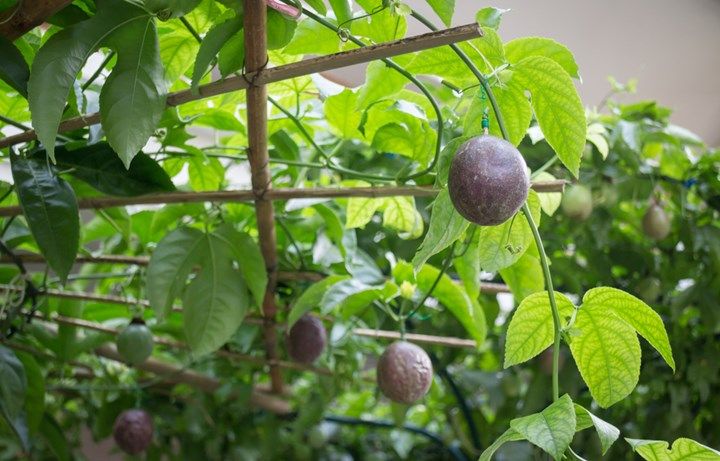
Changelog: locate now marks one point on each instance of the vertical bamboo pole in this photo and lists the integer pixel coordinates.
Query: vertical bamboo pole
(255, 60)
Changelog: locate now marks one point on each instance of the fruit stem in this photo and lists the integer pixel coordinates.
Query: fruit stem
(551, 295)
(526, 210)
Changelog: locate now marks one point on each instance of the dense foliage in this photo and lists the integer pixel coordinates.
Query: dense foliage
(625, 285)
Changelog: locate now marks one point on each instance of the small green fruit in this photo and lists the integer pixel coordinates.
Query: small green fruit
(404, 372)
(656, 223)
(649, 289)
(135, 342)
(488, 180)
(577, 202)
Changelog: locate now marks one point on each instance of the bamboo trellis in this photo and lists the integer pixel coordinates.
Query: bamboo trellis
(254, 81)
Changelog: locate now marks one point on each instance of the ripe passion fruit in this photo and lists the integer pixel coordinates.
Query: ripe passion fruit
(404, 372)
(307, 339)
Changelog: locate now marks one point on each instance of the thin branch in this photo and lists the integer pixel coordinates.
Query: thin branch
(97, 203)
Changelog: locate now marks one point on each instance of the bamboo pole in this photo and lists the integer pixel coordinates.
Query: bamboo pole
(417, 338)
(265, 76)
(25, 15)
(256, 58)
(97, 203)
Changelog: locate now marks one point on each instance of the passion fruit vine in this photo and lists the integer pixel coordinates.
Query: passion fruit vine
(306, 339)
(404, 372)
(135, 342)
(488, 180)
(133, 431)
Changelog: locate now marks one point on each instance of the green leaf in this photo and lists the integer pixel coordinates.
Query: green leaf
(170, 265)
(467, 264)
(341, 115)
(318, 5)
(552, 429)
(414, 139)
(444, 9)
(451, 295)
(509, 435)
(607, 353)
(641, 317)
(380, 26)
(360, 211)
(501, 246)
(549, 201)
(249, 258)
(381, 81)
(349, 297)
(446, 226)
(132, 100)
(490, 17)
(531, 329)
(682, 449)
(99, 166)
(525, 277)
(312, 297)
(597, 134)
(607, 433)
(232, 54)
(399, 213)
(525, 47)
(342, 10)
(445, 159)
(53, 435)
(178, 49)
(34, 403)
(51, 210)
(515, 109)
(216, 300)
(13, 69)
(13, 384)
(167, 9)
(557, 107)
(61, 58)
(280, 30)
(311, 37)
(211, 45)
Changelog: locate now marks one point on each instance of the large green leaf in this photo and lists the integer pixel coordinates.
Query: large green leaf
(13, 388)
(607, 433)
(450, 294)
(341, 115)
(381, 82)
(444, 9)
(414, 139)
(531, 329)
(232, 55)
(249, 258)
(467, 263)
(34, 403)
(211, 45)
(490, 17)
(348, 297)
(552, 429)
(510, 435)
(445, 159)
(525, 277)
(521, 48)
(641, 317)
(607, 354)
(557, 107)
(216, 300)
(342, 9)
(178, 49)
(54, 437)
(311, 37)
(170, 265)
(312, 297)
(446, 226)
(51, 210)
(360, 211)
(99, 166)
(682, 449)
(132, 100)
(501, 246)
(13, 69)
(399, 213)
(280, 30)
(61, 58)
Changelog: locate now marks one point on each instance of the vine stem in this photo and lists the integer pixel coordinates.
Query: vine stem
(526, 209)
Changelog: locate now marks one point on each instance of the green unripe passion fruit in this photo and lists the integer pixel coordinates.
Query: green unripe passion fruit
(577, 202)
(306, 339)
(488, 180)
(135, 342)
(649, 289)
(133, 431)
(656, 223)
(404, 372)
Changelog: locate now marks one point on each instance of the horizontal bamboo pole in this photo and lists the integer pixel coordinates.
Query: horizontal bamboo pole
(96, 203)
(288, 71)
(417, 338)
(88, 325)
